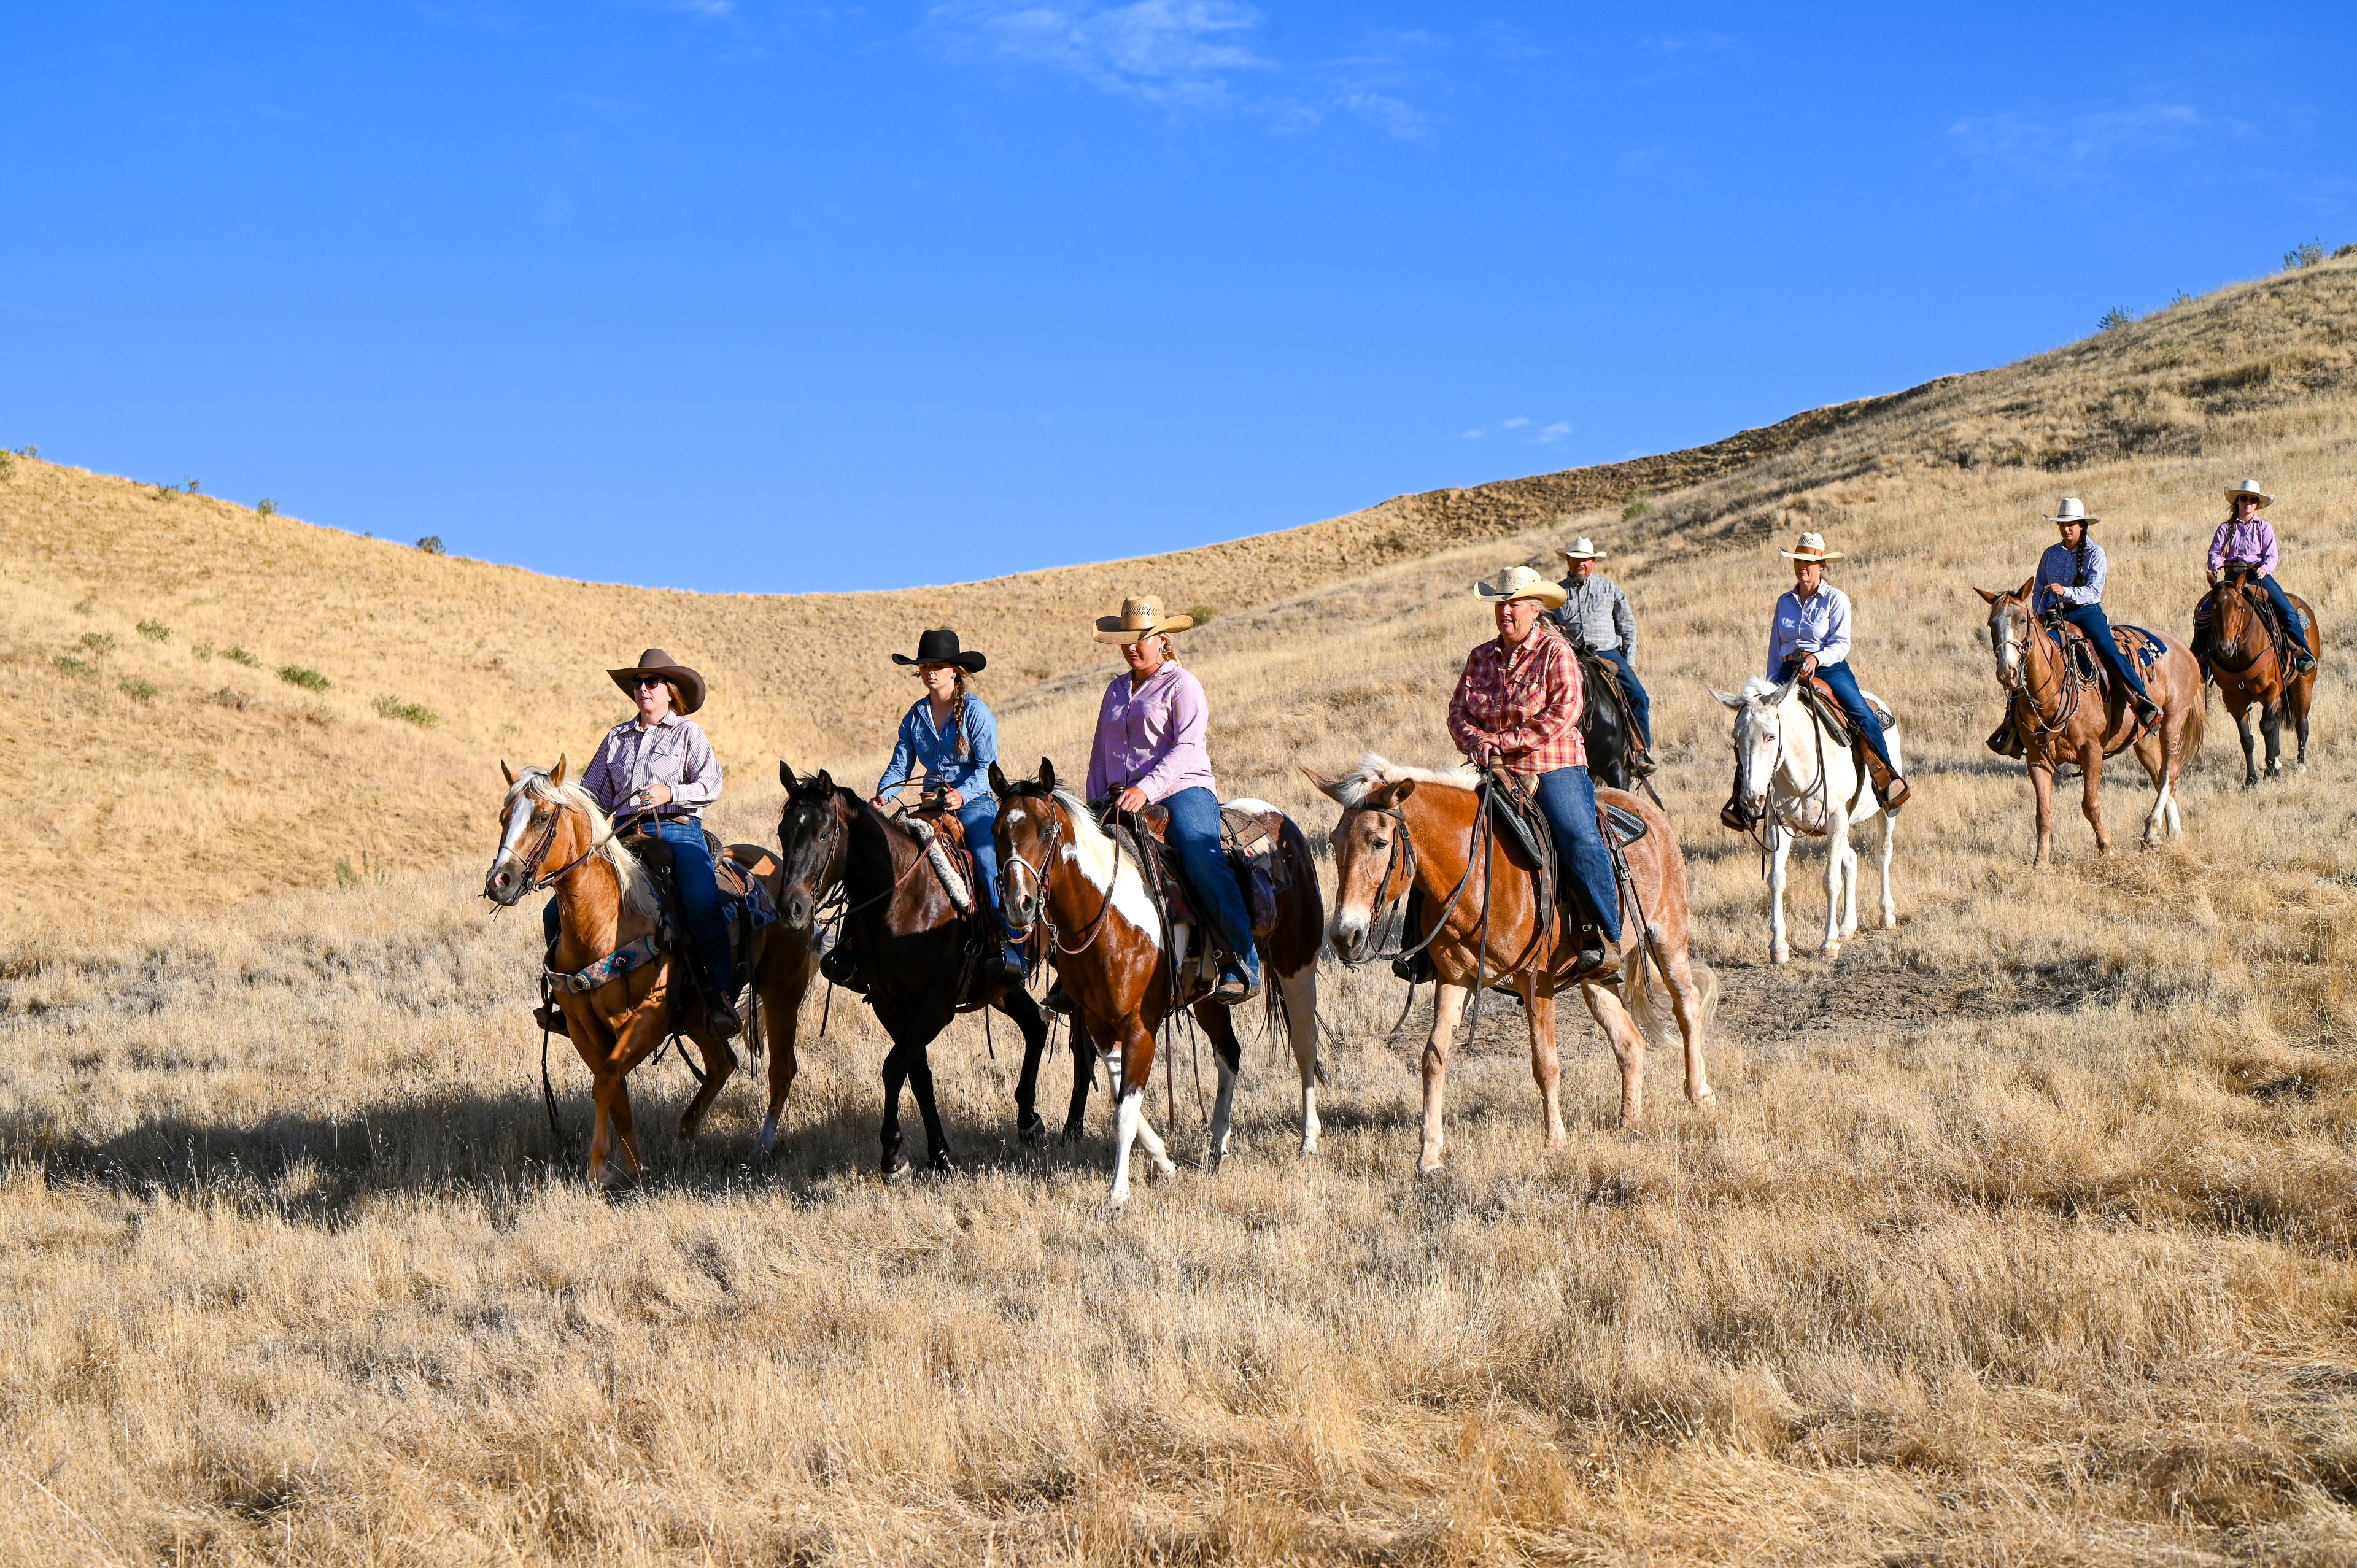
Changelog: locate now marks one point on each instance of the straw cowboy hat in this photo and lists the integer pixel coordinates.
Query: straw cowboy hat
(2250, 488)
(1812, 548)
(655, 661)
(940, 646)
(1581, 550)
(1521, 583)
(2072, 512)
(1139, 619)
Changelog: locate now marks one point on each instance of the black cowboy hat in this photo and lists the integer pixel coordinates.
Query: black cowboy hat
(940, 646)
(655, 661)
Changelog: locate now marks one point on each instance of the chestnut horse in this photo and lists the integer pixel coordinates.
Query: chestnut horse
(2057, 727)
(1060, 870)
(1404, 827)
(913, 944)
(607, 904)
(2242, 659)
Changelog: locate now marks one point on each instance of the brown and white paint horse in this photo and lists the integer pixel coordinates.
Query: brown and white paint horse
(1057, 867)
(553, 834)
(2244, 662)
(2056, 727)
(1403, 826)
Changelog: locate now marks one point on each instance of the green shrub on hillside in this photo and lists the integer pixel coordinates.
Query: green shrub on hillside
(265, 506)
(229, 697)
(431, 544)
(309, 680)
(240, 656)
(1202, 615)
(154, 631)
(86, 604)
(68, 665)
(202, 650)
(417, 713)
(2307, 254)
(1639, 504)
(2117, 317)
(137, 691)
(99, 642)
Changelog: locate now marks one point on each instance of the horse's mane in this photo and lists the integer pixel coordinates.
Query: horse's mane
(1376, 771)
(1757, 687)
(638, 888)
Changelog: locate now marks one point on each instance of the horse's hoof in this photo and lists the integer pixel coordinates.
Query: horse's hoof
(896, 1167)
(940, 1163)
(1831, 949)
(1213, 1160)
(1779, 955)
(1164, 1165)
(1430, 1167)
(1309, 1149)
(1115, 1204)
(1032, 1128)
(1706, 1098)
(1074, 1132)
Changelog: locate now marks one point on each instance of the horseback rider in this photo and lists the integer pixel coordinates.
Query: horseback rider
(1517, 707)
(1150, 748)
(951, 733)
(1596, 616)
(653, 774)
(1810, 641)
(2070, 584)
(2246, 542)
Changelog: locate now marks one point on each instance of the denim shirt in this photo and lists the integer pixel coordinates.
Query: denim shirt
(921, 742)
(2058, 576)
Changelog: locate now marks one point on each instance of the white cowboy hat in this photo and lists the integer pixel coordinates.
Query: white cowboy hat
(2072, 512)
(1521, 583)
(1812, 548)
(1139, 619)
(1581, 550)
(2251, 488)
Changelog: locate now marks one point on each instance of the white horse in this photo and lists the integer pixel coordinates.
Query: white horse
(1795, 776)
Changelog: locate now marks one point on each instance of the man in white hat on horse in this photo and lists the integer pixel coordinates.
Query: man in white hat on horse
(1596, 615)
(1810, 641)
(2247, 540)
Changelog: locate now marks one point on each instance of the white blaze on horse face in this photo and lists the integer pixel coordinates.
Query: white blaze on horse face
(1758, 736)
(1354, 889)
(516, 822)
(2003, 622)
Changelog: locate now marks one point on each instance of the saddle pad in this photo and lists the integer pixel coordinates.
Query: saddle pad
(2140, 645)
(1627, 827)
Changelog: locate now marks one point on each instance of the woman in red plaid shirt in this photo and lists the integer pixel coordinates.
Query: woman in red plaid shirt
(1517, 705)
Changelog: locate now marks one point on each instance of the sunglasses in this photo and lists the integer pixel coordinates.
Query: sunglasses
(644, 682)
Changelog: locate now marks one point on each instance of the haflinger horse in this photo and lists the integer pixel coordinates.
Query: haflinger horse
(1125, 973)
(916, 954)
(2241, 657)
(608, 907)
(2057, 727)
(1405, 828)
(1795, 774)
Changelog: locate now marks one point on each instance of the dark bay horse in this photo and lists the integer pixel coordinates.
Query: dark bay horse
(1404, 827)
(2057, 727)
(912, 953)
(551, 834)
(1607, 728)
(2242, 658)
(1060, 870)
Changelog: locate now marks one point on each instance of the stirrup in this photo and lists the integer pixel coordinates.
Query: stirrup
(1235, 988)
(1894, 794)
(551, 1017)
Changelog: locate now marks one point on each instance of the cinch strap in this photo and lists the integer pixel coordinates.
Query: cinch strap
(613, 966)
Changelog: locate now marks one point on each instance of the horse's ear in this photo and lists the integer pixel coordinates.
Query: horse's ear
(2023, 591)
(1775, 698)
(1725, 699)
(1330, 788)
(1393, 793)
(556, 773)
(1046, 774)
(507, 772)
(1985, 593)
(998, 784)
(785, 774)
(826, 782)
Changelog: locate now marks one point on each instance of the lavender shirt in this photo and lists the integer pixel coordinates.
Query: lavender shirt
(1818, 624)
(2252, 541)
(1152, 737)
(675, 752)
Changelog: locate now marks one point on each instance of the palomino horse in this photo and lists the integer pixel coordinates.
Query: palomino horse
(913, 954)
(2242, 659)
(1126, 974)
(1795, 774)
(608, 907)
(2056, 727)
(1405, 827)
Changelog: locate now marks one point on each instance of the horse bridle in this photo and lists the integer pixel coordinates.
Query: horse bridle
(1390, 922)
(532, 857)
(1049, 841)
(2021, 686)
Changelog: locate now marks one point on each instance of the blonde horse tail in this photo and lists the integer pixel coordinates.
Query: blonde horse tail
(1644, 995)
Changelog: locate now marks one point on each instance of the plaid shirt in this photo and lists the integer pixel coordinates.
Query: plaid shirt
(1525, 706)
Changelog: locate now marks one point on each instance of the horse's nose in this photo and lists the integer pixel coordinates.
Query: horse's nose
(798, 909)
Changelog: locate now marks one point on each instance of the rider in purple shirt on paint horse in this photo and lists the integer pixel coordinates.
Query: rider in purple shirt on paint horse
(2247, 540)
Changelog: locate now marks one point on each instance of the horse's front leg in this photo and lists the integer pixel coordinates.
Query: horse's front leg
(719, 1064)
(2091, 793)
(1849, 879)
(1546, 1063)
(1779, 852)
(2041, 785)
(2250, 745)
(788, 967)
(1890, 839)
(1299, 993)
(2298, 697)
(1129, 1112)
(2271, 719)
(1029, 1124)
(1836, 855)
(1083, 1052)
(1448, 1005)
(895, 1073)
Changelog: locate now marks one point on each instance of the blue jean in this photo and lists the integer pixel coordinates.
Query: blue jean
(699, 898)
(2091, 619)
(2283, 607)
(1567, 798)
(1641, 706)
(1845, 692)
(980, 817)
(1194, 832)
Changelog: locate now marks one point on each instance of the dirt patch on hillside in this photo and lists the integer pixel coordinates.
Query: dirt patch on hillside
(1766, 1005)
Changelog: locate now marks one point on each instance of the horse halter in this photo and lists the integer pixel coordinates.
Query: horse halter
(1388, 921)
(1051, 839)
(530, 860)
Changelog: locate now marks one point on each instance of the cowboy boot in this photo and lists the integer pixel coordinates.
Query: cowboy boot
(2006, 739)
(1732, 815)
(550, 1018)
(1889, 787)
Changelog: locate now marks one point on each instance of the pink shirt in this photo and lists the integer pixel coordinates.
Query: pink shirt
(2252, 541)
(1153, 737)
(675, 752)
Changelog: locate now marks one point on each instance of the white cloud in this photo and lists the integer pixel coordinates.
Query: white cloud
(1515, 424)
(1474, 435)
(2079, 146)
(1553, 433)
(1164, 51)
(710, 10)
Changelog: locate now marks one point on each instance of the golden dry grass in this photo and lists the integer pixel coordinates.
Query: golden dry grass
(2021, 1235)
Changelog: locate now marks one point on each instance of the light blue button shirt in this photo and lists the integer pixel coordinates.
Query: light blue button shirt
(921, 742)
(2059, 568)
(1818, 625)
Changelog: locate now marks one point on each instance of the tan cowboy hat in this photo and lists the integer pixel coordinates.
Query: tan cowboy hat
(2072, 512)
(1521, 583)
(2250, 488)
(1812, 548)
(1139, 619)
(1581, 550)
(655, 661)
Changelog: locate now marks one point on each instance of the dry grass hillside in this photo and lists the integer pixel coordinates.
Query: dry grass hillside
(2020, 1235)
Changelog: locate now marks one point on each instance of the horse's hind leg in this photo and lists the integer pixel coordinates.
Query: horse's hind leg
(1083, 1052)
(2271, 719)
(1229, 1053)
(1849, 882)
(1627, 1044)
(895, 1073)
(1889, 839)
(2091, 793)
(1299, 994)
(1837, 851)
(1546, 1063)
(1687, 1001)
(626, 1132)
(921, 1078)
(2299, 699)
(719, 1062)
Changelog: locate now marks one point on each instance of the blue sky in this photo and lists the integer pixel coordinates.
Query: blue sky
(728, 294)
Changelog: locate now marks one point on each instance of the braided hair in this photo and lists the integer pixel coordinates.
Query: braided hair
(957, 713)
